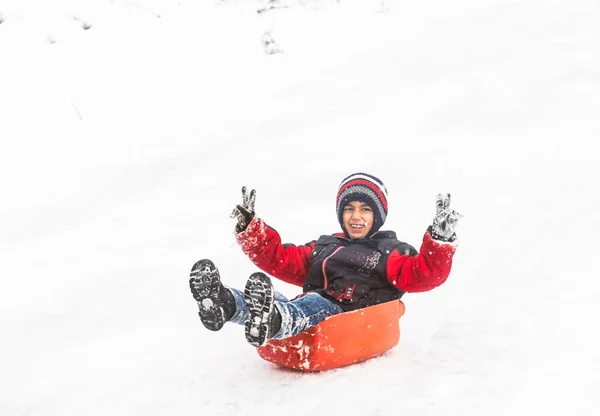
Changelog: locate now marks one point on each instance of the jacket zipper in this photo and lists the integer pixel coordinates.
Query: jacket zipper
(325, 263)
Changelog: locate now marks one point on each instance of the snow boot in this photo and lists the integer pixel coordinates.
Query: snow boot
(264, 320)
(215, 302)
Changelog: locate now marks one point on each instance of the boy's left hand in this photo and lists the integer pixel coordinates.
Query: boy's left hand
(445, 219)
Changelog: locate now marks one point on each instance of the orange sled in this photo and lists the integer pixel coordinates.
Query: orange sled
(339, 340)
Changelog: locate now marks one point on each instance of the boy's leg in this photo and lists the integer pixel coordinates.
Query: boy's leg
(265, 313)
(263, 319)
(240, 316)
(267, 318)
(216, 304)
(303, 313)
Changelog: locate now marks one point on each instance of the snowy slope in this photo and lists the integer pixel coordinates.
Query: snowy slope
(124, 146)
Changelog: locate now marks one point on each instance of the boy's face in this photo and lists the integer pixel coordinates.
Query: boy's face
(358, 219)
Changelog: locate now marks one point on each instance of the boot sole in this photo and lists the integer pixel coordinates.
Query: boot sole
(258, 296)
(205, 282)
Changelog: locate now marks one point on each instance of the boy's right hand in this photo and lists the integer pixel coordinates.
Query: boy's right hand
(245, 212)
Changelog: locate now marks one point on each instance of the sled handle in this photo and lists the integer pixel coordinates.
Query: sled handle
(401, 309)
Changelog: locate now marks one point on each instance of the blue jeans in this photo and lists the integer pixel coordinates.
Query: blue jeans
(297, 315)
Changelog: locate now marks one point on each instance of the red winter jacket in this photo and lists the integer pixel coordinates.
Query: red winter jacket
(351, 273)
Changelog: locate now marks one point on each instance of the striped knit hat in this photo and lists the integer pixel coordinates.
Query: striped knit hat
(364, 188)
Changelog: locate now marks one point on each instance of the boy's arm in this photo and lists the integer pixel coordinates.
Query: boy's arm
(431, 266)
(262, 244)
(424, 271)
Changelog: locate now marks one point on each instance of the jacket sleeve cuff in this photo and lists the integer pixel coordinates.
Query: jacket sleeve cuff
(447, 245)
(453, 241)
(252, 236)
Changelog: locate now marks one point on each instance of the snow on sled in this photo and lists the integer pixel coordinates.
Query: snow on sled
(339, 340)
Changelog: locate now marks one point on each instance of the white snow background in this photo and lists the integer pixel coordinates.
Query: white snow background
(124, 146)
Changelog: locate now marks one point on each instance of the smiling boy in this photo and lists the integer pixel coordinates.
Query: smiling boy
(357, 268)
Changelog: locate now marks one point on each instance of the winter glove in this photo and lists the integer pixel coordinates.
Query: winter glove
(245, 212)
(445, 220)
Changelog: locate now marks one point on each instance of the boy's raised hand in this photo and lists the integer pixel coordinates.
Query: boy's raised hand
(245, 212)
(445, 219)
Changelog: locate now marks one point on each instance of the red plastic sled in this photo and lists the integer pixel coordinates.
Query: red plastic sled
(339, 340)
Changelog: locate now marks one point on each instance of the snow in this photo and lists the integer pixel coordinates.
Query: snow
(124, 148)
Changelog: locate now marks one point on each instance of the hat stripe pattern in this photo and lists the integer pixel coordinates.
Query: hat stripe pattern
(366, 186)
(369, 178)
